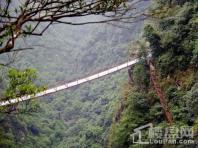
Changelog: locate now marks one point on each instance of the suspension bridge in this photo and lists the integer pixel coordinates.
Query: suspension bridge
(70, 84)
(77, 82)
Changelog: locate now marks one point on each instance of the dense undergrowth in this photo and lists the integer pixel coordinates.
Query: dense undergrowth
(172, 34)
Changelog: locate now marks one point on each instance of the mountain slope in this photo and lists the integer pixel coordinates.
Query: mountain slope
(173, 41)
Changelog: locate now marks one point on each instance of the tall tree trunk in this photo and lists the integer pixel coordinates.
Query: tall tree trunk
(160, 94)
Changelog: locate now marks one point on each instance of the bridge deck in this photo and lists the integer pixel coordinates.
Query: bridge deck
(70, 84)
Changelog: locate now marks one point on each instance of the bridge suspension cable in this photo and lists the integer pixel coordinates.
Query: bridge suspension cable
(70, 84)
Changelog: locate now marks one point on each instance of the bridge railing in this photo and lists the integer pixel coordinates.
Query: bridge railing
(70, 84)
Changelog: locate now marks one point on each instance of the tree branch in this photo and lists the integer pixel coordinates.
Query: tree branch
(54, 11)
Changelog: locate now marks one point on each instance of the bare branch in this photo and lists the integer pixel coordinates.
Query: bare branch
(29, 12)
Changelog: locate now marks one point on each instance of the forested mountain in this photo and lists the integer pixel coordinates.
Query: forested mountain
(81, 116)
(104, 112)
(174, 44)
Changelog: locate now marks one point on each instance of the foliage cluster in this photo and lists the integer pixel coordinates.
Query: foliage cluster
(173, 41)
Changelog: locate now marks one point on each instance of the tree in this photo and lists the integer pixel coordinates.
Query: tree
(20, 83)
(154, 39)
(141, 76)
(34, 17)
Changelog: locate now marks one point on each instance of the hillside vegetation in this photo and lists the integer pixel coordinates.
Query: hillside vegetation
(81, 116)
(172, 34)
